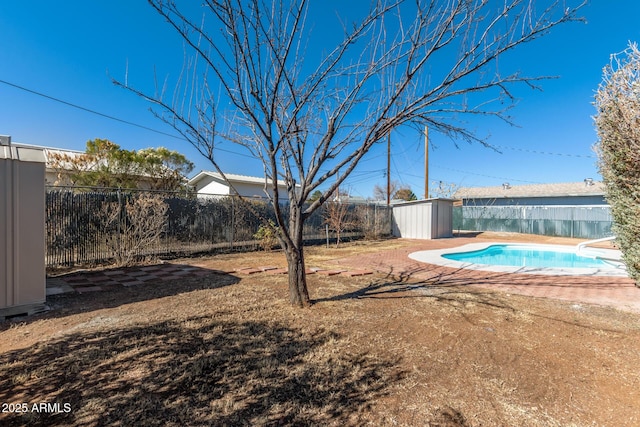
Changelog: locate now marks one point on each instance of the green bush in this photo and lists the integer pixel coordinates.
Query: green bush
(618, 125)
(266, 234)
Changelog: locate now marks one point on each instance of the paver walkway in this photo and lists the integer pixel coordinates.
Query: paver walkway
(92, 281)
(618, 292)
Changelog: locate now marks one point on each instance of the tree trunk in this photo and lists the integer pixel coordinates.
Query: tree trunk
(298, 293)
(294, 252)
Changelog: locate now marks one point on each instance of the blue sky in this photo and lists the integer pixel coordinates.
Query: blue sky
(70, 50)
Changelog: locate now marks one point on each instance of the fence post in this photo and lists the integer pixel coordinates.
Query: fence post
(326, 230)
(233, 221)
(375, 221)
(118, 229)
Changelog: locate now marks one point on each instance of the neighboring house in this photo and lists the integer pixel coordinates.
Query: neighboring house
(211, 184)
(588, 192)
(58, 172)
(354, 200)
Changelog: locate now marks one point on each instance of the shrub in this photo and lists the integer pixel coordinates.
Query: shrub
(135, 227)
(266, 234)
(618, 125)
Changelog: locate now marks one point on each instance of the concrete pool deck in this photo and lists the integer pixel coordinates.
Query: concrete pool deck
(436, 257)
(612, 291)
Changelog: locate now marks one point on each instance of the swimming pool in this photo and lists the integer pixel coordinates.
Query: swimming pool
(526, 258)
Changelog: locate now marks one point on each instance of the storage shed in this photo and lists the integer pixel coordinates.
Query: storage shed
(423, 219)
(22, 228)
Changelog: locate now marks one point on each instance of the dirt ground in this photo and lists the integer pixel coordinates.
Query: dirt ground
(381, 350)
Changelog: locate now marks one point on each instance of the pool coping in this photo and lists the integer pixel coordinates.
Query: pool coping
(435, 257)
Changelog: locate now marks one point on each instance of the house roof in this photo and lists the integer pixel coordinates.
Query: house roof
(244, 179)
(567, 189)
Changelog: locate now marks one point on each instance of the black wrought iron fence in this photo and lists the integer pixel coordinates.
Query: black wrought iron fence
(90, 226)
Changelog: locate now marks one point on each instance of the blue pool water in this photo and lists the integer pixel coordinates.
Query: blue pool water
(526, 256)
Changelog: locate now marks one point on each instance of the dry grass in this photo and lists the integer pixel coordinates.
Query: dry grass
(372, 350)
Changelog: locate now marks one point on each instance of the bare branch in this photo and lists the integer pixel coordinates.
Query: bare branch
(310, 104)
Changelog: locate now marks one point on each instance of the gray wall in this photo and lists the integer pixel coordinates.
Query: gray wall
(22, 270)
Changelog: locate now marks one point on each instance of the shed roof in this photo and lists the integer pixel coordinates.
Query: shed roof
(566, 189)
(50, 152)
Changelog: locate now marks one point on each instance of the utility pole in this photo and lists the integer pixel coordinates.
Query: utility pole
(388, 168)
(426, 162)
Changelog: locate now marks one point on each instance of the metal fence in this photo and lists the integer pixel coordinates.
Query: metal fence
(588, 222)
(92, 226)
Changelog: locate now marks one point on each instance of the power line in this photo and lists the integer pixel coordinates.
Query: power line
(486, 176)
(546, 153)
(110, 117)
(88, 110)
(107, 116)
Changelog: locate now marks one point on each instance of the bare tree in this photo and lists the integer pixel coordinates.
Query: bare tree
(380, 193)
(446, 190)
(134, 227)
(310, 112)
(337, 216)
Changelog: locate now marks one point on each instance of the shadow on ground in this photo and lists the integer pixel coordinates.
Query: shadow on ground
(412, 284)
(438, 282)
(455, 288)
(116, 295)
(198, 372)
